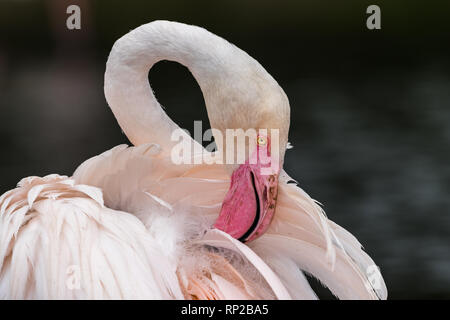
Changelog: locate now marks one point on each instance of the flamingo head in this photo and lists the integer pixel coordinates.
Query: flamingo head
(249, 205)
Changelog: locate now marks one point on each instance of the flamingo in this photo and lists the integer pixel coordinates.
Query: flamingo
(131, 224)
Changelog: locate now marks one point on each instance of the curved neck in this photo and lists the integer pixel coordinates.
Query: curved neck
(224, 73)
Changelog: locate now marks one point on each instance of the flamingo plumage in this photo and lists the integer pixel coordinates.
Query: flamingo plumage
(131, 224)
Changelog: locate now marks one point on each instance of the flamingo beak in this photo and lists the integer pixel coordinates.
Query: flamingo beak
(249, 205)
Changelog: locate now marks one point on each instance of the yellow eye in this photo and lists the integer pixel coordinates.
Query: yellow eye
(261, 141)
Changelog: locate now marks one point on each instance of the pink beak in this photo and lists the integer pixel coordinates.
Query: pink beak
(249, 205)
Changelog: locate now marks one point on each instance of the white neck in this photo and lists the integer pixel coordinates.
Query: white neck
(233, 83)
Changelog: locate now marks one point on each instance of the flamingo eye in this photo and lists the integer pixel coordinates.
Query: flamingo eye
(261, 141)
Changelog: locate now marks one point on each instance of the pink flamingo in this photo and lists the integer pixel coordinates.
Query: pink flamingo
(132, 224)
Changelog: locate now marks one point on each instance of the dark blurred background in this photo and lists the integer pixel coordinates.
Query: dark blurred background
(370, 109)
